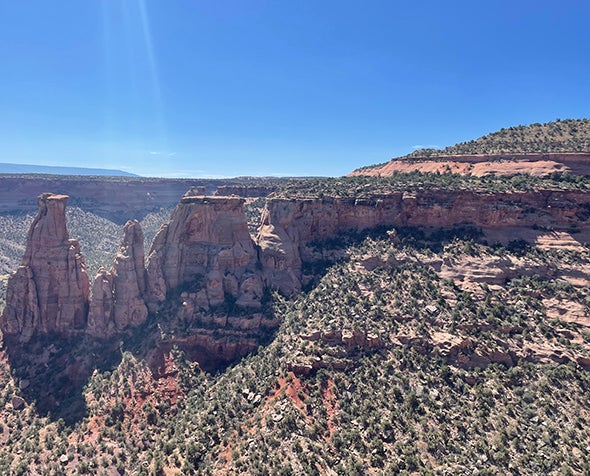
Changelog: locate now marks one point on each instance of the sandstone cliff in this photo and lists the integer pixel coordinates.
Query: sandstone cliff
(206, 240)
(290, 225)
(479, 164)
(49, 291)
(203, 259)
(118, 296)
(208, 274)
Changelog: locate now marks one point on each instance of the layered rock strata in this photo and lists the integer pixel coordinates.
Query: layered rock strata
(202, 259)
(288, 226)
(206, 241)
(203, 264)
(50, 290)
(118, 296)
(539, 164)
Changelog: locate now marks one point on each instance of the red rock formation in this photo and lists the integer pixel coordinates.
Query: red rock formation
(289, 225)
(206, 247)
(204, 258)
(129, 279)
(49, 291)
(480, 165)
(100, 315)
(206, 240)
(118, 295)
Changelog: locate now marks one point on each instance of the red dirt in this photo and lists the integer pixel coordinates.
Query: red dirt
(331, 405)
(291, 390)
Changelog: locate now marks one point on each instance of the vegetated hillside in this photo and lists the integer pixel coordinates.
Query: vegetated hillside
(413, 350)
(569, 135)
(410, 355)
(560, 136)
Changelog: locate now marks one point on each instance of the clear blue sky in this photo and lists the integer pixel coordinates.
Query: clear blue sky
(259, 87)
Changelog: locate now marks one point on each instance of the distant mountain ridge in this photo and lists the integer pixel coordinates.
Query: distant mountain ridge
(7, 168)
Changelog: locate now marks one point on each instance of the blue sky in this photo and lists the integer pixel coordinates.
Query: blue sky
(215, 88)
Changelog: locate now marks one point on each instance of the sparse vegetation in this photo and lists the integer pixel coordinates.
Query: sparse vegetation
(559, 136)
(376, 187)
(408, 405)
(568, 135)
(410, 351)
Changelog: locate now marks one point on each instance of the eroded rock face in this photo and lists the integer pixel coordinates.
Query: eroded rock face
(50, 290)
(210, 277)
(118, 296)
(129, 279)
(100, 316)
(538, 164)
(205, 248)
(207, 242)
(290, 225)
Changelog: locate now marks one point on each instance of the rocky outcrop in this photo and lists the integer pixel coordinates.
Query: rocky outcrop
(290, 225)
(480, 165)
(208, 277)
(129, 279)
(118, 296)
(336, 349)
(50, 290)
(205, 253)
(49, 293)
(100, 316)
(207, 244)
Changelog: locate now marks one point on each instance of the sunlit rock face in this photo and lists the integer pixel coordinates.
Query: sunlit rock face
(206, 239)
(50, 290)
(289, 225)
(118, 295)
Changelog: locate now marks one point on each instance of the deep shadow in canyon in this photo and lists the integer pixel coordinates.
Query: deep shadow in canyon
(52, 371)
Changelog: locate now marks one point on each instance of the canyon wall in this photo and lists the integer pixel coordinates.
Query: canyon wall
(206, 239)
(206, 272)
(105, 196)
(289, 225)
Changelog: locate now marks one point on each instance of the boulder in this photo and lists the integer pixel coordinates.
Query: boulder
(18, 403)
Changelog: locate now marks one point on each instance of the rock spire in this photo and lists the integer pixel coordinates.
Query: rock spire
(50, 290)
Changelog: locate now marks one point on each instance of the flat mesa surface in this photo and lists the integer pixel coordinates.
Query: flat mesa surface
(208, 199)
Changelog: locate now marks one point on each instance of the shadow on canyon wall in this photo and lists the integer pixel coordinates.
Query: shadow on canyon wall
(52, 370)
